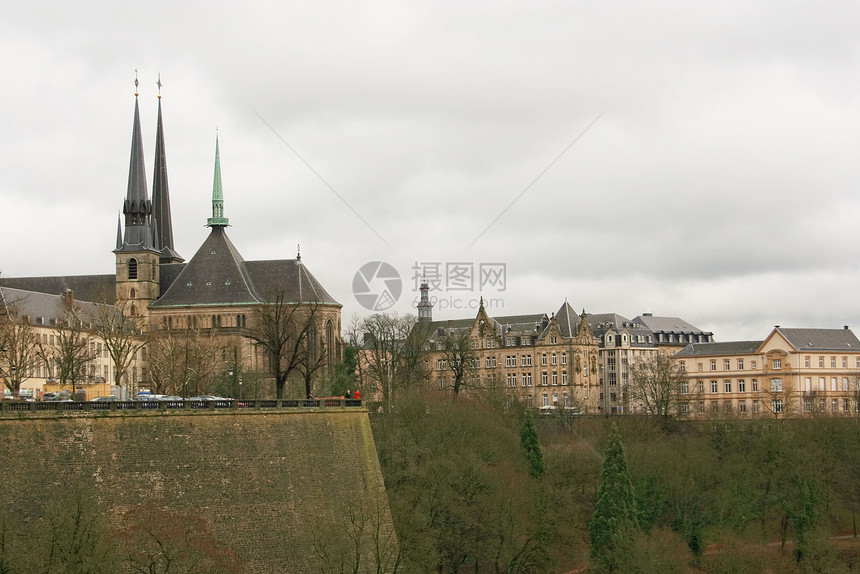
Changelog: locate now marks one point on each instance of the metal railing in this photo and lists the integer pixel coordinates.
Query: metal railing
(21, 407)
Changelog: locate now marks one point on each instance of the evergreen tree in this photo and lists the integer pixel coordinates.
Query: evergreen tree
(614, 521)
(531, 445)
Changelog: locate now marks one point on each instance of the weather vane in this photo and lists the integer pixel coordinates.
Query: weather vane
(159, 84)
(135, 82)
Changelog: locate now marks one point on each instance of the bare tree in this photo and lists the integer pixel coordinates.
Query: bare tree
(184, 361)
(72, 350)
(282, 328)
(314, 356)
(123, 337)
(19, 352)
(460, 357)
(658, 386)
(391, 352)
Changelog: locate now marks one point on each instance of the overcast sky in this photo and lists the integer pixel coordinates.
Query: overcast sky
(712, 176)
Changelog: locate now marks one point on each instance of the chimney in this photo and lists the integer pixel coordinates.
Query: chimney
(845, 327)
(69, 299)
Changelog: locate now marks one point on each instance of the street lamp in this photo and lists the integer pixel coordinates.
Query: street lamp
(240, 388)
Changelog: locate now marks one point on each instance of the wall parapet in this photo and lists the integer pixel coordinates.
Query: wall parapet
(15, 409)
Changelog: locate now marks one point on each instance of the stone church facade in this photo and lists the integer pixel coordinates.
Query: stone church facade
(216, 292)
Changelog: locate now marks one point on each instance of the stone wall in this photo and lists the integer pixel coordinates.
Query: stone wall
(268, 485)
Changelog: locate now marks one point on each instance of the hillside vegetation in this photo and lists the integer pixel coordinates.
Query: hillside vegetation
(724, 496)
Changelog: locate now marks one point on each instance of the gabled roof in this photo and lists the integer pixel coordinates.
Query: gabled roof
(713, 349)
(217, 275)
(821, 339)
(214, 276)
(568, 320)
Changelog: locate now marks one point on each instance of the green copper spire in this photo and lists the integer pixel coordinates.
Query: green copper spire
(217, 219)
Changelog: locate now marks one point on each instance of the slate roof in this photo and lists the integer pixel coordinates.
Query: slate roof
(668, 325)
(218, 275)
(568, 320)
(821, 339)
(40, 306)
(713, 349)
(95, 288)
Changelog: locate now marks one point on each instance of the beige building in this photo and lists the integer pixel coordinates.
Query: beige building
(544, 361)
(793, 372)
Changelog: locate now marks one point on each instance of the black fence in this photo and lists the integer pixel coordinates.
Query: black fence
(16, 407)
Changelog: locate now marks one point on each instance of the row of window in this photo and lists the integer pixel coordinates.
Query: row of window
(545, 379)
(775, 363)
(775, 406)
(775, 385)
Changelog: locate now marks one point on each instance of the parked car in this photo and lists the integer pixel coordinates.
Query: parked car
(170, 398)
(64, 396)
(110, 399)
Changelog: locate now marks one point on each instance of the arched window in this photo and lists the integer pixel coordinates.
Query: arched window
(133, 311)
(132, 268)
(238, 320)
(329, 345)
(132, 293)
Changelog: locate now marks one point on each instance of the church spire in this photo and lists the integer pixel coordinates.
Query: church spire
(137, 208)
(162, 222)
(217, 219)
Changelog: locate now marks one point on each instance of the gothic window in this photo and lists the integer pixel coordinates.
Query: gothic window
(132, 293)
(132, 268)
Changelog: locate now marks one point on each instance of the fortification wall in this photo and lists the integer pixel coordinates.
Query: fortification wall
(265, 484)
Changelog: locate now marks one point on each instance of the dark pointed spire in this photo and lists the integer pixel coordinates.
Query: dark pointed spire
(137, 208)
(217, 219)
(162, 221)
(118, 232)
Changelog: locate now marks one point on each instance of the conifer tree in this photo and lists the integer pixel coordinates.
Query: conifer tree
(531, 445)
(614, 521)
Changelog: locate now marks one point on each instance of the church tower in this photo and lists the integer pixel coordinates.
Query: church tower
(137, 248)
(161, 195)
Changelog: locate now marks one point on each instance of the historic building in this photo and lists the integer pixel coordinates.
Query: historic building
(793, 372)
(580, 361)
(624, 341)
(216, 291)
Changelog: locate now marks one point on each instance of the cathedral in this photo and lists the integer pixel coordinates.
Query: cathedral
(216, 292)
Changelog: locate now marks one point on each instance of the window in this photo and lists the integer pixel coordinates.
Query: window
(808, 382)
(564, 399)
(776, 385)
(715, 406)
(511, 361)
(777, 364)
(684, 408)
(683, 366)
(713, 386)
(543, 359)
(543, 379)
(832, 362)
(564, 378)
(527, 379)
(553, 359)
(511, 380)
(806, 362)
(740, 364)
(755, 405)
(753, 364)
(702, 407)
(755, 385)
(834, 405)
(474, 343)
(491, 362)
(776, 406)
(701, 367)
(742, 406)
(132, 268)
(554, 378)
(820, 361)
(807, 405)
(545, 400)
(728, 385)
(844, 362)
(844, 383)
(742, 386)
(834, 384)
(727, 366)
(713, 365)
(491, 343)
(684, 387)
(564, 358)
(701, 386)
(727, 406)
(846, 405)
(132, 293)
(822, 384)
